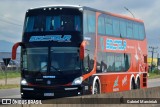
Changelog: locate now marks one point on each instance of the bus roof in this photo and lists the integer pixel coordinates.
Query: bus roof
(52, 6)
(92, 9)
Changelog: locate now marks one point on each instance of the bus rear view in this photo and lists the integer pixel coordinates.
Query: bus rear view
(50, 52)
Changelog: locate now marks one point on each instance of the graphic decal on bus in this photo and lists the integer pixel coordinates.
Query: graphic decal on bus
(124, 81)
(139, 59)
(58, 38)
(115, 86)
(116, 44)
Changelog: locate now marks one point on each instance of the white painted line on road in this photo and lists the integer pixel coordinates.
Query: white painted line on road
(13, 96)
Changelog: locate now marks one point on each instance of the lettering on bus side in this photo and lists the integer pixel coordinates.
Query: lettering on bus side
(116, 44)
(58, 38)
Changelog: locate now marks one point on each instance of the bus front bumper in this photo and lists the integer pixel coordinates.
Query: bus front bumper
(48, 92)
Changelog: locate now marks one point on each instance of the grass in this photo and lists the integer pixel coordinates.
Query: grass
(153, 75)
(8, 86)
(10, 74)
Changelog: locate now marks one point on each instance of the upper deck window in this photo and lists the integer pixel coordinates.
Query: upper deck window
(89, 22)
(55, 20)
(119, 27)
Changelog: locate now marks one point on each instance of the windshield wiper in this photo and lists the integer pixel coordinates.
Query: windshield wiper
(56, 69)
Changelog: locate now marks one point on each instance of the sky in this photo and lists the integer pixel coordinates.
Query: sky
(12, 14)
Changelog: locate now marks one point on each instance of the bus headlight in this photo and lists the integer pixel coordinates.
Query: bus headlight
(77, 81)
(24, 82)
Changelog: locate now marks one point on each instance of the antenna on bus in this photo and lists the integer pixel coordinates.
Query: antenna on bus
(129, 11)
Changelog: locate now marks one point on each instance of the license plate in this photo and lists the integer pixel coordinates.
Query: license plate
(48, 94)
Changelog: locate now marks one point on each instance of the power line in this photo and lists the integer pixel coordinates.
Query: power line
(2, 16)
(9, 22)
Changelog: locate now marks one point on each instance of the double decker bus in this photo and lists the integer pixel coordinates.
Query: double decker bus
(77, 50)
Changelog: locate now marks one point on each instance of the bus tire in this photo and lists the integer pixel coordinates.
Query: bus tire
(96, 89)
(133, 85)
(96, 85)
(138, 84)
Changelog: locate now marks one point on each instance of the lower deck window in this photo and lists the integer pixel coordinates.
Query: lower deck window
(116, 62)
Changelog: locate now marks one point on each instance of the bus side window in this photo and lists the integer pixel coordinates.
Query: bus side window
(123, 28)
(141, 32)
(129, 29)
(110, 62)
(89, 22)
(101, 28)
(108, 25)
(127, 62)
(116, 29)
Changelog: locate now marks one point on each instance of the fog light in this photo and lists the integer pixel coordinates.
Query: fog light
(24, 82)
(79, 93)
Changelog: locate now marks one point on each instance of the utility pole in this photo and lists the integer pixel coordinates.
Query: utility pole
(152, 51)
(157, 60)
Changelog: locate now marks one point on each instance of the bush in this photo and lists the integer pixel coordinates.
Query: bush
(156, 71)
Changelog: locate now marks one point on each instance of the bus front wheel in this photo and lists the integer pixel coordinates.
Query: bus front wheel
(96, 89)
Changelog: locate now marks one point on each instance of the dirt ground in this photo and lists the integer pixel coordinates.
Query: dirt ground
(10, 81)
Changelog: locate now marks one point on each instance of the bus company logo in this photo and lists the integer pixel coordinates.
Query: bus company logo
(124, 81)
(116, 44)
(102, 43)
(58, 38)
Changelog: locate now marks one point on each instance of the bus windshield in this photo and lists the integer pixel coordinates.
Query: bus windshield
(35, 59)
(56, 59)
(48, 23)
(64, 59)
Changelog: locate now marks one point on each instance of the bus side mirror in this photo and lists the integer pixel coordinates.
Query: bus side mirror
(81, 52)
(14, 49)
